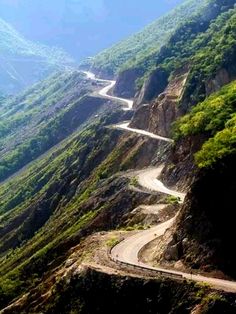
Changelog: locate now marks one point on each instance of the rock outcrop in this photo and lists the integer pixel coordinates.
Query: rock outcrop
(162, 112)
(153, 86)
(180, 168)
(222, 78)
(205, 225)
(126, 83)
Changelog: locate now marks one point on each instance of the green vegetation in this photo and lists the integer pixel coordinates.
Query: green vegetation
(41, 117)
(134, 181)
(200, 33)
(112, 242)
(172, 200)
(48, 208)
(221, 145)
(129, 52)
(215, 118)
(138, 226)
(73, 191)
(43, 188)
(205, 47)
(12, 42)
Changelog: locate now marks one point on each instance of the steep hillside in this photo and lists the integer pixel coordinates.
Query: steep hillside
(39, 118)
(147, 41)
(186, 39)
(204, 228)
(101, 182)
(65, 196)
(23, 62)
(195, 66)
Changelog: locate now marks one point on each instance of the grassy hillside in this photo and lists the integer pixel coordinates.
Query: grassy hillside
(65, 196)
(76, 188)
(147, 41)
(41, 117)
(202, 42)
(205, 43)
(215, 118)
(206, 52)
(23, 62)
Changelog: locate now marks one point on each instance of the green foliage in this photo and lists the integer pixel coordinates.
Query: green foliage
(198, 33)
(136, 227)
(112, 242)
(134, 181)
(221, 145)
(57, 213)
(36, 120)
(215, 118)
(131, 51)
(172, 200)
(209, 116)
(206, 43)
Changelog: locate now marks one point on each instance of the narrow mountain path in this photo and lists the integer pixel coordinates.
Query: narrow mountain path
(105, 90)
(125, 126)
(127, 251)
(147, 178)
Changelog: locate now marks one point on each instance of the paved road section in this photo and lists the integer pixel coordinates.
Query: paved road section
(104, 91)
(148, 179)
(128, 250)
(125, 126)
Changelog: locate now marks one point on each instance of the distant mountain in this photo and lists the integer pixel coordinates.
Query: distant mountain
(23, 62)
(83, 28)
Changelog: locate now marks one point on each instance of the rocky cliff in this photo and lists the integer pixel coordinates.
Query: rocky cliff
(126, 83)
(205, 225)
(159, 115)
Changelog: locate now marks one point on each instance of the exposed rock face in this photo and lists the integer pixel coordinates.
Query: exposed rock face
(126, 83)
(205, 225)
(164, 111)
(180, 168)
(160, 114)
(222, 78)
(153, 86)
(172, 252)
(141, 118)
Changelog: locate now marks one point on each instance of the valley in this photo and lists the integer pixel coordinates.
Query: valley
(117, 177)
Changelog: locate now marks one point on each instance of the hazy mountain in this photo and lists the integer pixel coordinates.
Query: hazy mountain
(81, 27)
(23, 62)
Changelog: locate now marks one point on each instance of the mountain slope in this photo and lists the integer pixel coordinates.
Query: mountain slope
(23, 62)
(42, 116)
(190, 69)
(151, 39)
(51, 211)
(204, 227)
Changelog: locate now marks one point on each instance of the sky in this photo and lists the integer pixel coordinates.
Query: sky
(82, 27)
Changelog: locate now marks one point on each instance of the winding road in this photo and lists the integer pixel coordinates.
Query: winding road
(127, 251)
(147, 178)
(125, 126)
(105, 90)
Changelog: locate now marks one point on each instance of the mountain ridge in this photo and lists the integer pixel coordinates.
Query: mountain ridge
(20, 57)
